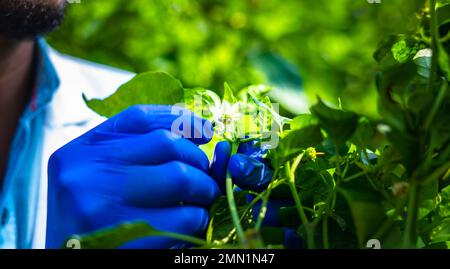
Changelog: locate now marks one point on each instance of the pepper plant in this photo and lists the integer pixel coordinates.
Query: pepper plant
(350, 179)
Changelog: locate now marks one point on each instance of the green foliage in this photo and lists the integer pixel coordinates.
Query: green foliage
(207, 42)
(228, 94)
(350, 177)
(147, 88)
(365, 206)
(294, 142)
(221, 226)
(340, 125)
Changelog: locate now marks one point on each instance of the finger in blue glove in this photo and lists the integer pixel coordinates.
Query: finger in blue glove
(247, 167)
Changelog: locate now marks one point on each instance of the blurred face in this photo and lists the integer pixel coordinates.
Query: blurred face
(22, 19)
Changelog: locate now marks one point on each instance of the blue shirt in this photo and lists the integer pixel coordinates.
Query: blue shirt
(19, 195)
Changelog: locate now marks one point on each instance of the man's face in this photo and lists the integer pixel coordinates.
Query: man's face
(22, 19)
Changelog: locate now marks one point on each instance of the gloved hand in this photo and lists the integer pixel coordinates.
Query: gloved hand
(250, 171)
(131, 168)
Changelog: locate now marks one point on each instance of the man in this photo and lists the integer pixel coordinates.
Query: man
(101, 172)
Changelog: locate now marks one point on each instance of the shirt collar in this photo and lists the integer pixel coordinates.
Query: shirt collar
(47, 80)
(59, 89)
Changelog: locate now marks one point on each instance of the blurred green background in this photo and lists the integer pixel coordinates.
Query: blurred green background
(206, 42)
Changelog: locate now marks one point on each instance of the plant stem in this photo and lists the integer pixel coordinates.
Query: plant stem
(253, 202)
(410, 235)
(329, 209)
(338, 165)
(232, 204)
(357, 175)
(260, 197)
(182, 237)
(265, 202)
(436, 105)
(434, 45)
(301, 212)
(326, 244)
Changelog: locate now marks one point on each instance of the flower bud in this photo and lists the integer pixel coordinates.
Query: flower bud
(400, 189)
(311, 153)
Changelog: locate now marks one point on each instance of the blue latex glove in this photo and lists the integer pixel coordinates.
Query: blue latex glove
(132, 168)
(250, 171)
(247, 167)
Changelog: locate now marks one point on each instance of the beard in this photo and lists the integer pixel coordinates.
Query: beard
(27, 19)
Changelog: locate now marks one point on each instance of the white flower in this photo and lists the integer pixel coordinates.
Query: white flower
(245, 118)
(226, 116)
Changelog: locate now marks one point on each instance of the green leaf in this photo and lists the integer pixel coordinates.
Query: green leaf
(228, 94)
(443, 15)
(419, 100)
(253, 91)
(428, 201)
(440, 127)
(329, 148)
(285, 79)
(441, 233)
(342, 231)
(408, 146)
(146, 88)
(365, 206)
(294, 142)
(221, 224)
(111, 238)
(314, 186)
(444, 207)
(302, 121)
(200, 101)
(385, 47)
(339, 125)
(396, 49)
(392, 238)
(402, 51)
(364, 134)
(392, 83)
(440, 245)
(444, 61)
(308, 136)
